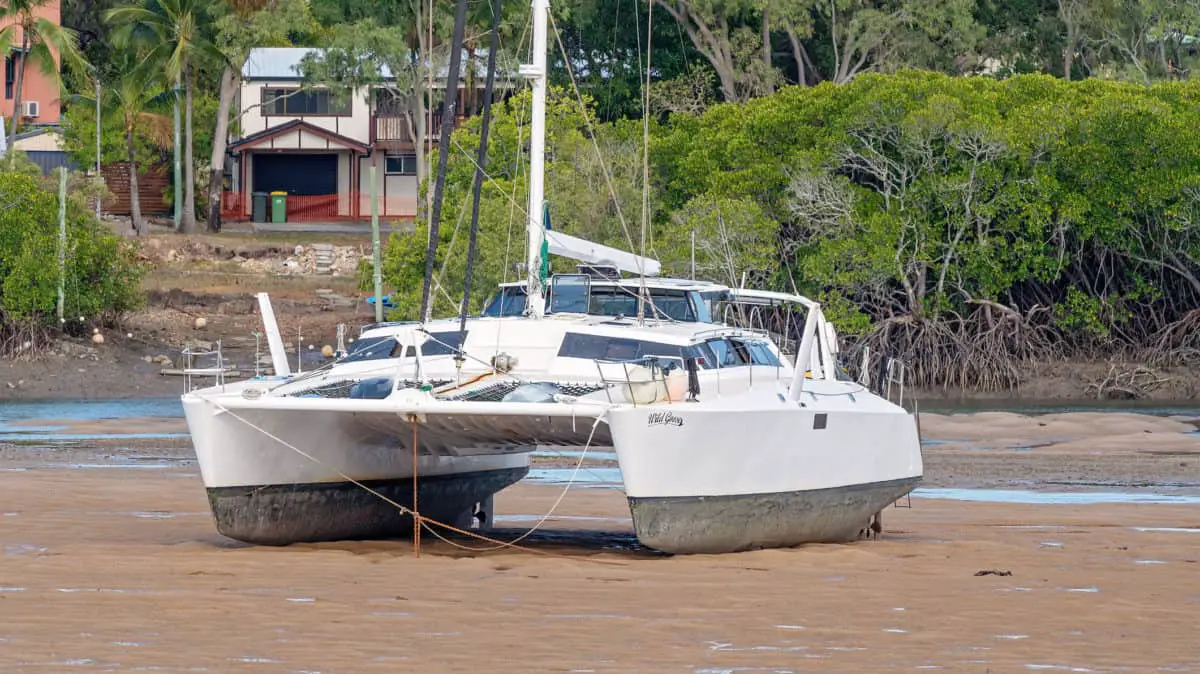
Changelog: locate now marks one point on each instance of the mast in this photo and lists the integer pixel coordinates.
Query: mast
(536, 72)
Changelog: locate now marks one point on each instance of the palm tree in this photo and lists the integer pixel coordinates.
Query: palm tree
(40, 41)
(131, 96)
(171, 37)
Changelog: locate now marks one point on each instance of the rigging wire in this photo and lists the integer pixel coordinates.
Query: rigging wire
(477, 184)
(449, 112)
(645, 159)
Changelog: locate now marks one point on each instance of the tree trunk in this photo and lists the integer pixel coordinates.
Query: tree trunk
(766, 39)
(798, 53)
(420, 110)
(1069, 47)
(16, 117)
(135, 202)
(216, 167)
(187, 220)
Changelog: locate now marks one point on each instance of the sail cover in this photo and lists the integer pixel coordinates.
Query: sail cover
(594, 253)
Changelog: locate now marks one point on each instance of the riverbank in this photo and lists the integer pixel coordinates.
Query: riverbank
(215, 277)
(133, 358)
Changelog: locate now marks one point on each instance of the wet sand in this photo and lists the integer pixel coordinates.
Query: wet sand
(120, 569)
(110, 562)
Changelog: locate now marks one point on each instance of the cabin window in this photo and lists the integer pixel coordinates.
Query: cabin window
(726, 352)
(371, 348)
(443, 343)
(401, 164)
(509, 301)
(600, 347)
(761, 353)
(569, 293)
(298, 102)
(619, 301)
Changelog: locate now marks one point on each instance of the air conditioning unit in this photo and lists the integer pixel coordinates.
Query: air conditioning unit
(29, 109)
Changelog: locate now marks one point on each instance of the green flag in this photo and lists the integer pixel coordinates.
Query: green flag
(545, 252)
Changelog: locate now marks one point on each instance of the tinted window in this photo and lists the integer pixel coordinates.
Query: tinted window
(738, 352)
(569, 293)
(371, 348)
(673, 304)
(508, 302)
(598, 347)
(443, 343)
(761, 354)
(728, 354)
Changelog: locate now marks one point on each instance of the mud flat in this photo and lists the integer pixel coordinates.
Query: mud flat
(120, 570)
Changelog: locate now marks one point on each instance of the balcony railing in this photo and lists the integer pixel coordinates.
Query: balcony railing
(394, 129)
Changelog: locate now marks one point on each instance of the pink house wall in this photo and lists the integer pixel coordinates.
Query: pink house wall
(37, 87)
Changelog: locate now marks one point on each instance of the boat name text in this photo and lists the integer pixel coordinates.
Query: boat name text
(663, 419)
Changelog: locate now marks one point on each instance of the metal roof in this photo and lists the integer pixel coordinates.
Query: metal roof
(283, 63)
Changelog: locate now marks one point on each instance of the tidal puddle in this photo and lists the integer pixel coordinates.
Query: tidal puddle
(590, 477)
(1048, 498)
(560, 518)
(1170, 530)
(734, 670)
(18, 549)
(34, 420)
(50, 433)
(728, 647)
(575, 454)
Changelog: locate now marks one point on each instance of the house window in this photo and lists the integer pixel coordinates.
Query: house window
(10, 76)
(298, 102)
(402, 164)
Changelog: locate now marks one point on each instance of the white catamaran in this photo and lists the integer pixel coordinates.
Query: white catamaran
(724, 442)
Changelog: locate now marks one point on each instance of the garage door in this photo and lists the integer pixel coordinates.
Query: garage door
(296, 174)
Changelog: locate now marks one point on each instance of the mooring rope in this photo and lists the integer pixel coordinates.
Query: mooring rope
(559, 500)
(417, 517)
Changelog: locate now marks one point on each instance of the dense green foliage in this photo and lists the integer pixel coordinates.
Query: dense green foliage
(101, 271)
(964, 224)
(966, 184)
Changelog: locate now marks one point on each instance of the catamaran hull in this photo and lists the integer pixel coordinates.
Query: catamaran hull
(276, 477)
(701, 479)
(733, 523)
(281, 514)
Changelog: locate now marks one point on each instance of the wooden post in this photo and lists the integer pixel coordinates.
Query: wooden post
(377, 272)
(62, 239)
(99, 176)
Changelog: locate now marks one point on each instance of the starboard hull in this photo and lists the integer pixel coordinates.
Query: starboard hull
(714, 478)
(735, 523)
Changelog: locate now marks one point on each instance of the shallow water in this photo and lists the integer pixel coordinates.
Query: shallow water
(14, 416)
(1046, 497)
(1153, 407)
(90, 410)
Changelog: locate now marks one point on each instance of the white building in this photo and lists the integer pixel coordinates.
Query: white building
(317, 147)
